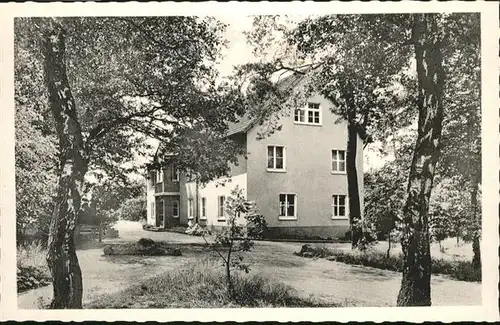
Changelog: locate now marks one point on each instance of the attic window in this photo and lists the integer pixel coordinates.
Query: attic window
(311, 114)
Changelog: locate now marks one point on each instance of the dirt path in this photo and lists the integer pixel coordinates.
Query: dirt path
(326, 280)
(351, 284)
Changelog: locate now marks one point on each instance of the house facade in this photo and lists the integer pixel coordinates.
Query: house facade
(297, 177)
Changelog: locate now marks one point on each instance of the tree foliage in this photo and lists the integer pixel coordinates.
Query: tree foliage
(240, 213)
(111, 83)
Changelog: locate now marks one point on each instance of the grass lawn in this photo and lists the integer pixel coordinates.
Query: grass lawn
(202, 285)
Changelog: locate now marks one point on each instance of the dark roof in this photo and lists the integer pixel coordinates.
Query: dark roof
(242, 126)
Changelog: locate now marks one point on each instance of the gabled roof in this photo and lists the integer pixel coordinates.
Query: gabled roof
(242, 126)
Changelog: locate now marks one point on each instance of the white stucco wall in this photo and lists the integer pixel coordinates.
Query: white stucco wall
(211, 192)
(150, 199)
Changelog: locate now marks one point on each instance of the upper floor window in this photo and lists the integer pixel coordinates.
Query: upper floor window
(311, 114)
(175, 209)
(339, 207)
(287, 206)
(159, 176)
(276, 158)
(221, 201)
(175, 175)
(203, 208)
(338, 161)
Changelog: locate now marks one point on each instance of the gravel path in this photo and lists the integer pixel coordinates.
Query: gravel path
(326, 280)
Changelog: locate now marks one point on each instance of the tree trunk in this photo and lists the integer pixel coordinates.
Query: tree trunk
(476, 258)
(61, 256)
(389, 247)
(100, 232)
(228, 270)
(197, 204)
(352, 185)
(415, 285)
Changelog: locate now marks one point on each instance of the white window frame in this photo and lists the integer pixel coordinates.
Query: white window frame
(159, 176)
(346, 207)
(203, 210)
(190, 209)
(281, 217)
(175, 175)
(175, 203)
(338, 161)
(219, 207)
(274, 169)
(305, 111)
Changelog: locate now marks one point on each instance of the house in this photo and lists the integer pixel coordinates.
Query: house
(297, 177)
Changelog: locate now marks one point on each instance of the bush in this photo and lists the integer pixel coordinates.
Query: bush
(459, 270)
(32, 269)
(195, 230)
(146, 242)
(29, 277)
(203, 285)
(144, 247)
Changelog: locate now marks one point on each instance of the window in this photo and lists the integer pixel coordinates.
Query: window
(300, 115)
(175, 175)
(175, 209)
(309, 115)
(276, 158)
(159, 176)
(221, 200)
(152, 209)
(339, 207)
(203, 208)
(190, 209)
(160, 208)
(287, 206)
(338, 161)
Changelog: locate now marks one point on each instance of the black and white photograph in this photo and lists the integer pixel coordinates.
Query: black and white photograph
(327, 160)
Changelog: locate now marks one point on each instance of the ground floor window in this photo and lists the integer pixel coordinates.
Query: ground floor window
(203, 208)
(287, 206)
(159, 212)
(221, 201)
(190, 209)
(339, 206)
(152, 209)
(175, 209)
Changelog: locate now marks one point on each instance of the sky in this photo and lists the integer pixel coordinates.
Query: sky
(238, 51)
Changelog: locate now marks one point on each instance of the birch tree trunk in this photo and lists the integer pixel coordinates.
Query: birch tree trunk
(415, 285)
(61, 257)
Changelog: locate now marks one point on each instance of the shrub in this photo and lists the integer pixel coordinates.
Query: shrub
(146, 242)
(232, 236)
(32, 269)
(460, 270)
(29, 277)
(195, 230)
(145, 247)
